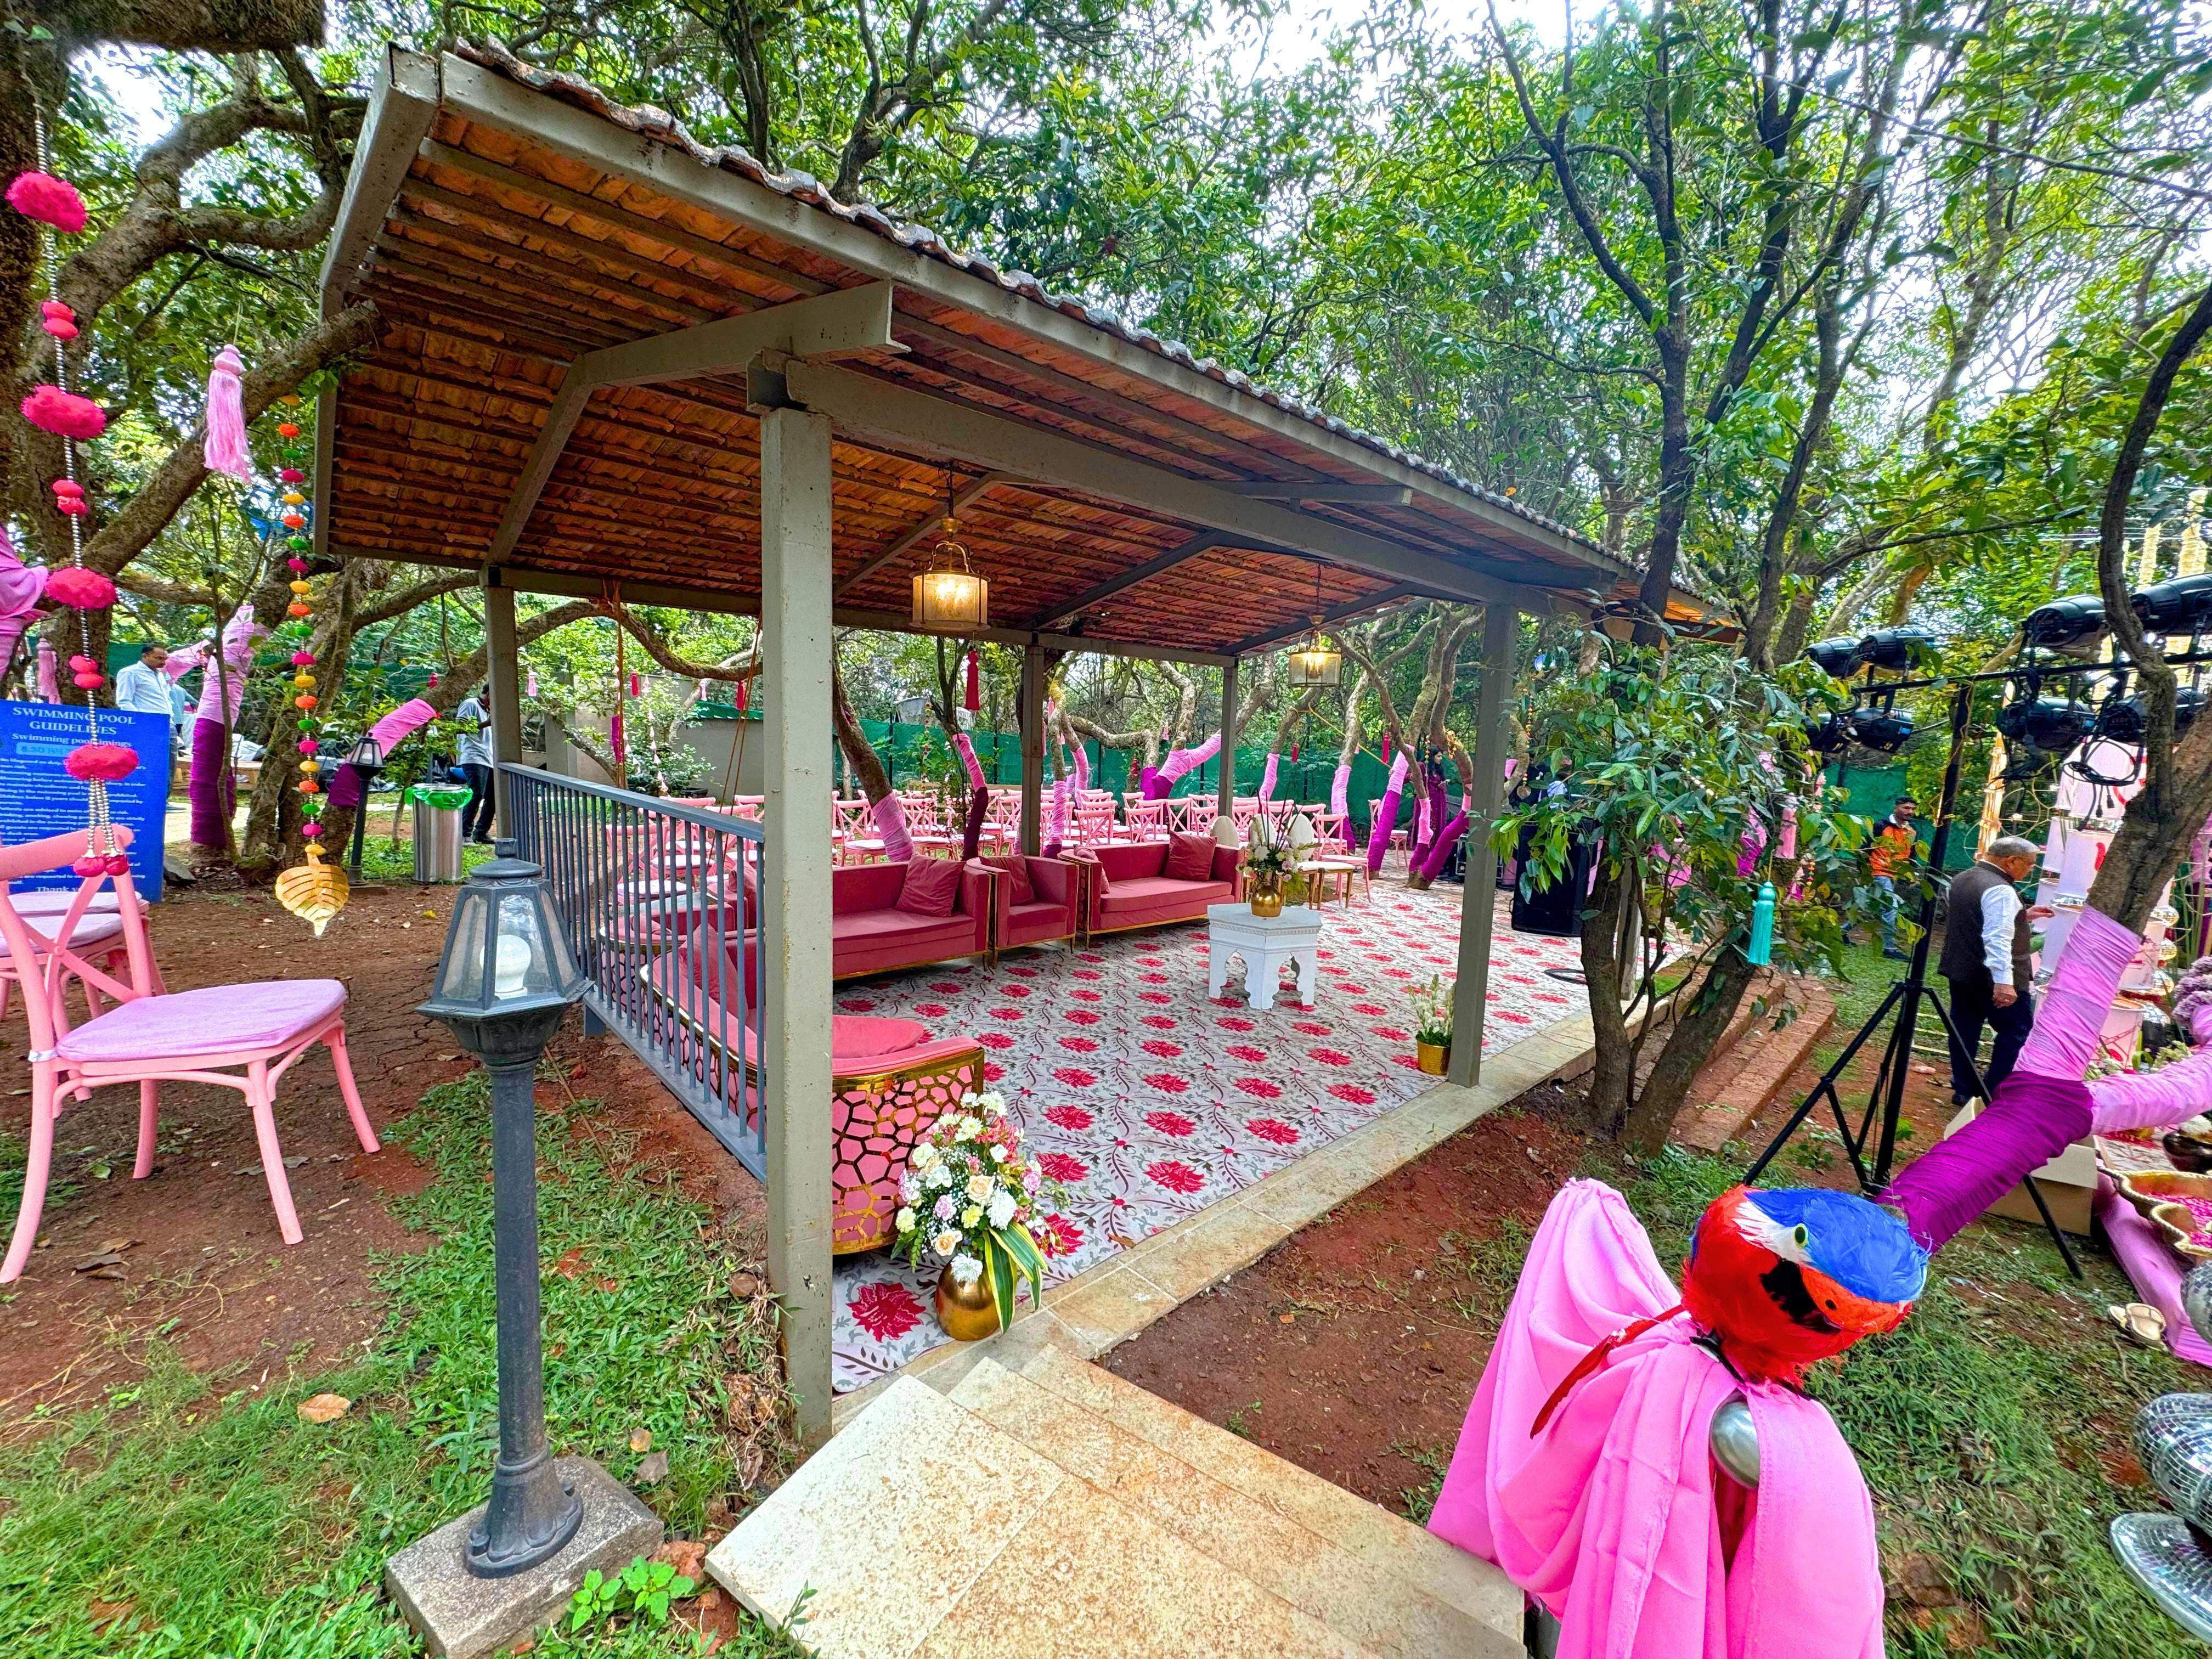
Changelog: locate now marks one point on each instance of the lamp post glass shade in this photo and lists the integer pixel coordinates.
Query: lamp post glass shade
(506, 950)
(368, 754)
(948, 597)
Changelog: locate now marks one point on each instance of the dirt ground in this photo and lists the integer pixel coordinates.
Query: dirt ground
(191, 1256)
(1353, 1348)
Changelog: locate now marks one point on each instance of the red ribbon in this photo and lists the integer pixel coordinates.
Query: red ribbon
(1592, 1360)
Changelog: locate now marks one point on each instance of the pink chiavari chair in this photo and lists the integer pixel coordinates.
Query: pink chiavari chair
(238, 1037)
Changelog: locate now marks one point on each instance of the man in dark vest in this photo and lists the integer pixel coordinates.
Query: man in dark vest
(1986, 960)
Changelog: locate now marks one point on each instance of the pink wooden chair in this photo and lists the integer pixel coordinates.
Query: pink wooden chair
(242, 1037)
(1146, 820)
(1199, 812)
(98, 938)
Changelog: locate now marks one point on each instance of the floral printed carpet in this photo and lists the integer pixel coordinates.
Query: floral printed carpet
(1148, 1102)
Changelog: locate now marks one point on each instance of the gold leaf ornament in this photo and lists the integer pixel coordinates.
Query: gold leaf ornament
(314, 892)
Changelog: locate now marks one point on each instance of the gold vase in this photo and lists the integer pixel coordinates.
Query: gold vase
(1434, 1057)
(968, 1315)
(1265, 894)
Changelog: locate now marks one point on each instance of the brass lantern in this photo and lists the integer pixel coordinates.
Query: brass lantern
(1316, 664)
(949, 597)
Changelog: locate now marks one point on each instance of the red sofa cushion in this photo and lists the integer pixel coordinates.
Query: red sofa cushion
(1028, 923)
(1119, 862)
(931, 887)
(1190, 858)
(863, 1036)
(1158, 893)
(1020, 889)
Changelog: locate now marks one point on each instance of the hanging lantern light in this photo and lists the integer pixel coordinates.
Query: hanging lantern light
(1317, 663)
(948, 597)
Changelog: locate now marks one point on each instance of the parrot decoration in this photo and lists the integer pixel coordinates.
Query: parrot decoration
(1783, 1279)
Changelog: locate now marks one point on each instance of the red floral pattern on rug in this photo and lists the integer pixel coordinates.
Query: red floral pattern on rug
(1159, 1102)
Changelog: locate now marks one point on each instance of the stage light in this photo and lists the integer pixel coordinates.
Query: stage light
(2065, 624)
(1896, 648)
(2124, 720)
(2181, 604)
(1839, 658)
(1884, 731)
(2045, 723)
(1825, 737)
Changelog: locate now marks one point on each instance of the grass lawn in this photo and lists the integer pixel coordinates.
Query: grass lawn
(200, 1517)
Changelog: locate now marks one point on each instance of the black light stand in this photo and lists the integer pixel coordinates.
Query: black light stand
(1886, 1102)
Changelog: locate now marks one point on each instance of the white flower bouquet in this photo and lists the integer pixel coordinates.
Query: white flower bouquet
(1433, 1010)
(968, 1199)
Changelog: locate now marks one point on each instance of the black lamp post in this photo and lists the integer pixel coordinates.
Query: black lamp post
(505, 981)
(367, 760)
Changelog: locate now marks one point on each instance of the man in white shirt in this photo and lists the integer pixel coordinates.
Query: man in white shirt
(472, 754)
(1987, 962)
(142, 687)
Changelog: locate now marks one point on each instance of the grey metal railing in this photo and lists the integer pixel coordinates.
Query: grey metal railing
(662, 906)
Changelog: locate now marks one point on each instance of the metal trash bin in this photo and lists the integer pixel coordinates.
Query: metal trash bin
(438, 810)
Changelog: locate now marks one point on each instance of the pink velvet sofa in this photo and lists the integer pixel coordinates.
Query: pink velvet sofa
(1127, 885)
(1055, 911)
(869, 934)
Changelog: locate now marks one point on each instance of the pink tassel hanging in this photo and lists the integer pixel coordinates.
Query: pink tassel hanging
(49, 679)
(530, 689)
(636, 685)
(973, 699)
(225, 451)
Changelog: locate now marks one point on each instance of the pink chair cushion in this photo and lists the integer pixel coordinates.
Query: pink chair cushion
(1190, 858)
(214, 1020)
(90, 931)
(930, 887)
(54, 901)
(864, 1037)
(1017, 870)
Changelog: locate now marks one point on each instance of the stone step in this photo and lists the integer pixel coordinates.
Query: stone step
(1381, 1541)
(923, 1531)
(1363, 1602)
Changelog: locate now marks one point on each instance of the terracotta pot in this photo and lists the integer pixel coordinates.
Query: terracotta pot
(1434, 1057)
(969, 1314)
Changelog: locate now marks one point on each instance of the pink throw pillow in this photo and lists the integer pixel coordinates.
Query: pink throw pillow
(930, 888)
(1020, 889)
(1190, 858)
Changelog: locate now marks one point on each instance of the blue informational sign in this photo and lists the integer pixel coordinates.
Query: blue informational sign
(39, 798)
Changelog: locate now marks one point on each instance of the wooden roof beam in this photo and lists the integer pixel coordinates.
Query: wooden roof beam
(1357, 495)
(1360, 607)
(870, 405)
(844, 322)
(1062, 609)
(962, 500)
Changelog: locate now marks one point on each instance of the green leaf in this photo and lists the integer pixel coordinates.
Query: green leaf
(1000, 1266)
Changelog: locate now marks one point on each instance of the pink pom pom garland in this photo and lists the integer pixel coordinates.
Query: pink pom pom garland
(51, 409)
(104, 763)
(49, 200)
(55, 203)
(80, 589)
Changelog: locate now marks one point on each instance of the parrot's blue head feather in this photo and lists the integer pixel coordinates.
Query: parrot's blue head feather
(1860, 1245)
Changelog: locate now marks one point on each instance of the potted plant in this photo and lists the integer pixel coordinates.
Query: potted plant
(968, 1199)
(1268, 865)
(1433, 1024)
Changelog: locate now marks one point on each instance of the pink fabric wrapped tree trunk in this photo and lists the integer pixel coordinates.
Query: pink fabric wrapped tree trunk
(1385, 818)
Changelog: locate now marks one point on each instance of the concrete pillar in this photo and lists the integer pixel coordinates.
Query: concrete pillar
(1031, 718)
(1501, 638)
(504, 674)
(795, 651)
(1225, 794)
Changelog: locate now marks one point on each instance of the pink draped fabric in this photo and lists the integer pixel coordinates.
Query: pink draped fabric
(1385, 817)
(962, 742)
(221, 693)
(891, 825)
(1181, 762)
(1440, 850)
(2152, 1100)
(1267, 775)
(1056, 820)
(1339, 790)
(394, 729)
(2151, 1266)
(1423, 813)
(2040, 1110)
(1082, 769)
(1612, 1519)
(213, 788)
(22, 586)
